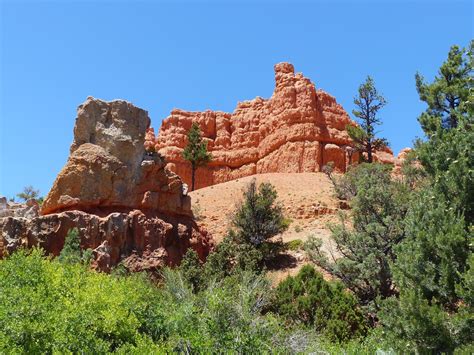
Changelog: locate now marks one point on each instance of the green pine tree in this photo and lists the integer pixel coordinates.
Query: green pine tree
(196, 151)
(379, 206)
(369, 102)
(71, 252)
(450, 97)
(259, 217)
(433, 265)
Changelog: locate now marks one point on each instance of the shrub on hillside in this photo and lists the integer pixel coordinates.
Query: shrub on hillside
(259, 217)
(365, 251)
(307, 298)
(231, 256)
(247, 246)
(294, 245)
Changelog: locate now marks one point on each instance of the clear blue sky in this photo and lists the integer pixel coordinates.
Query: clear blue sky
(204, 55)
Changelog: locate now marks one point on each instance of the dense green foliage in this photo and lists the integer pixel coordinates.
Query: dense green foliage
(433, 269)
(48, 306)
(368, 102)
(51, 307)
(409, 249)
(367, 248)
(307, 298)
(196, 151)
(259, 217)
(231, 256)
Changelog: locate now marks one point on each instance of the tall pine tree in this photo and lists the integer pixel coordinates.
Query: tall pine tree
(196, 151)
(369, 102)
(433, 265)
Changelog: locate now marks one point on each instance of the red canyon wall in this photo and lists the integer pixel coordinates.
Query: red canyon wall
(299, 129)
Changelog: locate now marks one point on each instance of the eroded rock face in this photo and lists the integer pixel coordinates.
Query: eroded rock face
(108, 167)
(29, 209)
(298, 129)
(140, 241)
(126, 205)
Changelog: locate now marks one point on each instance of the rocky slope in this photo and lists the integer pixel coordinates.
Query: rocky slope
(308, 200)
(299, 129)
(126, 205)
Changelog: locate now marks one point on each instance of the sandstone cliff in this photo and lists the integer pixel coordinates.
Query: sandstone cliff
(299, 129)
(127, 206)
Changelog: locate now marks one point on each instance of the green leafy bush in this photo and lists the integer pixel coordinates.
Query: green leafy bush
(309, 299)
(232, 256)
(294, 245)
(48, 306)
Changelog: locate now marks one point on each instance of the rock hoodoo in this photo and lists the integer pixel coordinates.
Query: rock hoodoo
(299, 129)
(126, 205)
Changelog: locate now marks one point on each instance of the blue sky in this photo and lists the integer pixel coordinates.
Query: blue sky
(199, 55)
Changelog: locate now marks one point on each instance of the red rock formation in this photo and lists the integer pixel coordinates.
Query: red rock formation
(126, 205)
(297, 130)
(138, 240)
(108, 168)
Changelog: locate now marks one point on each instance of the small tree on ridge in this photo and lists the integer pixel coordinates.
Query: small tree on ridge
(29, 192)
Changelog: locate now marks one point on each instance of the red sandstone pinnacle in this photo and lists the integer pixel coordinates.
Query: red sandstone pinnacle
(298, 129)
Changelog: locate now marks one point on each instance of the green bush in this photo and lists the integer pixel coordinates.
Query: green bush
(309, 299)
(225, 316)
(48, 306)
(259, 217)
(294, 245)
(379, 206)
(232, 256)
(192, 270)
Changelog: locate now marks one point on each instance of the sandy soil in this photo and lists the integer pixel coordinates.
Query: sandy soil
(307, 199)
